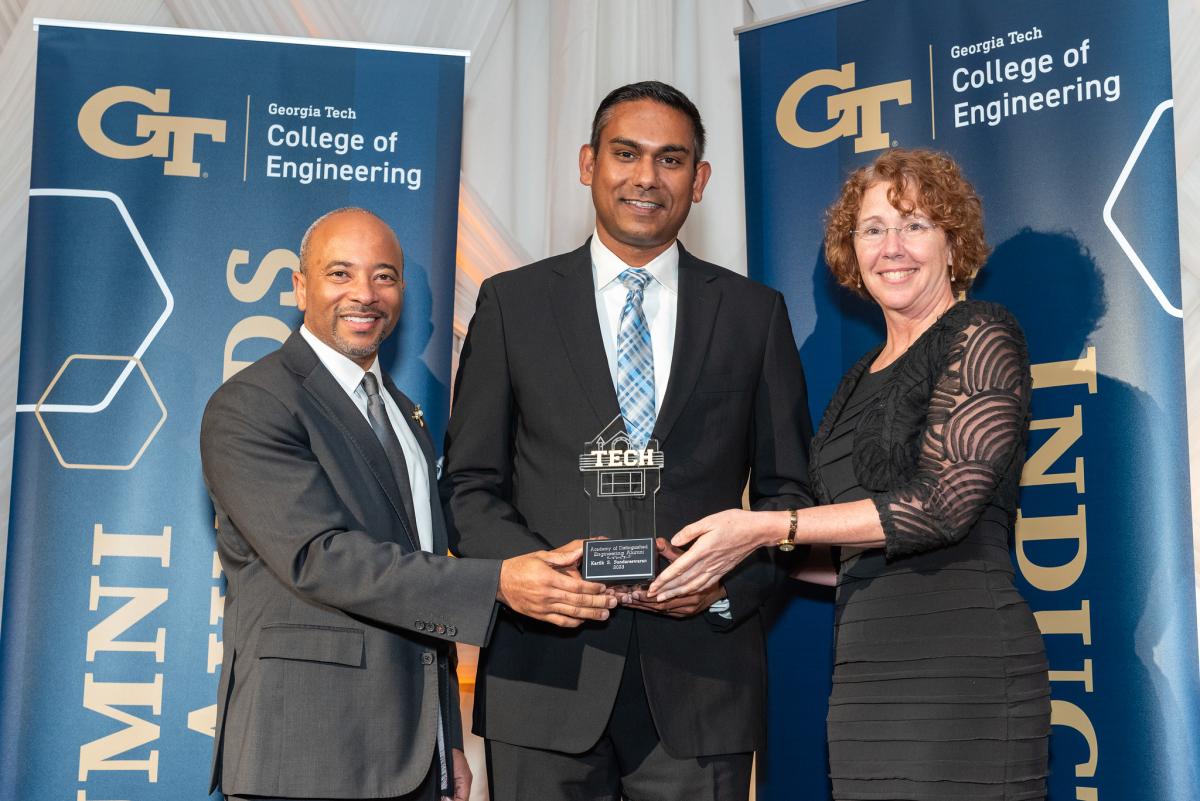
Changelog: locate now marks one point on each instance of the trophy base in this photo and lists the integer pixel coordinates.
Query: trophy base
(633, 561)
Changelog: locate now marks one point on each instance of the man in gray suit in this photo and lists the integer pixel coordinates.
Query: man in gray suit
(342, 608)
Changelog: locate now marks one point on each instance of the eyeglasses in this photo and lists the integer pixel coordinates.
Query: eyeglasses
(910, 231)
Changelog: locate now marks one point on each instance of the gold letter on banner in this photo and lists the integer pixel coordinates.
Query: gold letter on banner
(105, 697)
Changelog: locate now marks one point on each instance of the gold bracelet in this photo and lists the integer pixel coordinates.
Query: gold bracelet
(788, 543)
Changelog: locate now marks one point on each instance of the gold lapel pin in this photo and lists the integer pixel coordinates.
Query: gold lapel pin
(418, 416)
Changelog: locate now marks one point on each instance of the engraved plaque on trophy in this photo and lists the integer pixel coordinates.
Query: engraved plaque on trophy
(621, 483)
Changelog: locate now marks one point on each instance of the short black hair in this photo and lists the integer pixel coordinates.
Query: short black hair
(657, 91)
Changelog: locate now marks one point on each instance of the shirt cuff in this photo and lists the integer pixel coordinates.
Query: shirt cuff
(721, 609)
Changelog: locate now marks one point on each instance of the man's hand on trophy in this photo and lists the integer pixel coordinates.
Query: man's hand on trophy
(545, 585)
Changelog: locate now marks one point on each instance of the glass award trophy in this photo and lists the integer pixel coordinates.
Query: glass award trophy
(621, 482)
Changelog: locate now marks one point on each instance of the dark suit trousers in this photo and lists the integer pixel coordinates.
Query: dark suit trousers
(628, 761)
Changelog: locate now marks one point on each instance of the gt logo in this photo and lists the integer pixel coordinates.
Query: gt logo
(844, 110)
(165, 137)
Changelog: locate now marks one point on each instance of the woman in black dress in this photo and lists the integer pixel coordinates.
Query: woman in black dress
(940, 684)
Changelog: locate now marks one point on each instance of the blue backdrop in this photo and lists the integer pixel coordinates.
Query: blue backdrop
(173, 176)
(1060, 114)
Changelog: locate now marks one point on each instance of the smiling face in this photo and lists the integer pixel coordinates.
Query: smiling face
(644, 178)
(352, 287)
(908, 276)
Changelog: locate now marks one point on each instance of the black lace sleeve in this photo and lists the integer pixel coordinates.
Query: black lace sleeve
(973, 437)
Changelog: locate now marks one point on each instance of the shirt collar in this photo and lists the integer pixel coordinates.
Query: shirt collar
(344, 370)
(664, 268)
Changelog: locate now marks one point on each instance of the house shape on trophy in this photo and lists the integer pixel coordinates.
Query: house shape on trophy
(620, 470)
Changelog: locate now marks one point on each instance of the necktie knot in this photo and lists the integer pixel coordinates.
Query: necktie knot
(634, 279)
(370, 385)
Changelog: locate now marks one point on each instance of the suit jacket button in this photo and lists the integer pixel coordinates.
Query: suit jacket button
(452, 630)
(427, 658)
(440, 628)
(419, 625)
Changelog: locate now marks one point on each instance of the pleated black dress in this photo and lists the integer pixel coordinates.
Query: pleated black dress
(940, 685)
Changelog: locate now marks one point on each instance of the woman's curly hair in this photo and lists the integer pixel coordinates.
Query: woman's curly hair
(941, 193)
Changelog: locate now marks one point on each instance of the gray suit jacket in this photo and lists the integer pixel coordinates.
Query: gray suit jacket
(338, 629)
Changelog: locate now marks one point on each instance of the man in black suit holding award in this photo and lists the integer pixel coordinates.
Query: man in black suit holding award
(663, 700)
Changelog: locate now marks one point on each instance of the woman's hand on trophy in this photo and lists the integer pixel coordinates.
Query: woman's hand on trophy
(680, 606)
(717, 544)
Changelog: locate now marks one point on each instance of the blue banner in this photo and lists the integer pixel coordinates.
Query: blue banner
(173, 176)
(1060, 114)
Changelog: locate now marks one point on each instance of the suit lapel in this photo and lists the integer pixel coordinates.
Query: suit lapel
(573, 299)
(342, 412)
(421, 433)
(699, 298)
(408, 411)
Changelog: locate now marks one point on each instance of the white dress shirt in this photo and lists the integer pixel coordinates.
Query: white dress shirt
(349, 377)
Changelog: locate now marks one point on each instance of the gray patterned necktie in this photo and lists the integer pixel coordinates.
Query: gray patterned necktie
(382, 426)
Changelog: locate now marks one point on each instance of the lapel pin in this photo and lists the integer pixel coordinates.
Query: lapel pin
(418, 416)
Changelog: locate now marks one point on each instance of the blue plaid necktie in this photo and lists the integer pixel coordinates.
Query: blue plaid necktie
(635, 361)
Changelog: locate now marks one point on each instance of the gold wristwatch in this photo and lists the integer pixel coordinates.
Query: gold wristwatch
(788, 543)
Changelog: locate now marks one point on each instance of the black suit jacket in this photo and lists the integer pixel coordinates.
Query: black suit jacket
(533, 386)
(337, 629)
